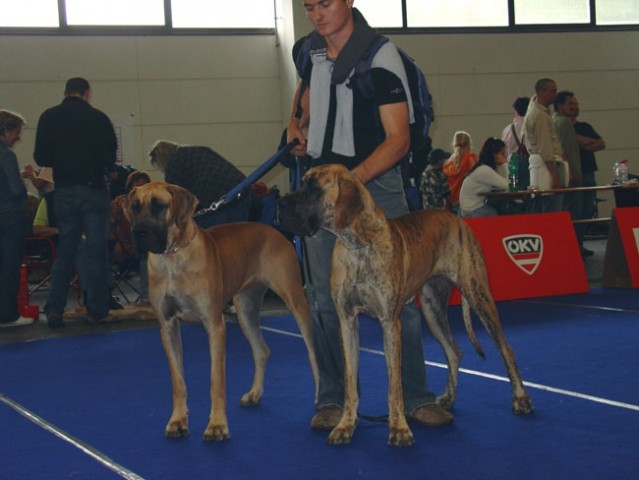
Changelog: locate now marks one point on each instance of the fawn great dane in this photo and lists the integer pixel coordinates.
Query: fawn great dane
(194, 272)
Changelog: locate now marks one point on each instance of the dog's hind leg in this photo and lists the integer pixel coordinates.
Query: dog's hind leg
(482, 303)
(434, 306)
(248, 304)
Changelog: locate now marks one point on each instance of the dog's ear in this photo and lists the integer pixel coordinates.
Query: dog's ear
(183, 205)
(348, 204)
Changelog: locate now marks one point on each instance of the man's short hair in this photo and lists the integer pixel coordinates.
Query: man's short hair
(77, 85)
(562, 97)
(543, 84)
(521, 105)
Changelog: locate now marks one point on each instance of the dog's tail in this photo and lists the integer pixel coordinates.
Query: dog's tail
(469, 327)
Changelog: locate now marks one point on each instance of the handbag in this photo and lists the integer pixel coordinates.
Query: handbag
(522, 159)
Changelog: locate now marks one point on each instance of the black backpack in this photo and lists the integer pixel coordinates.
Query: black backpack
(420, 142)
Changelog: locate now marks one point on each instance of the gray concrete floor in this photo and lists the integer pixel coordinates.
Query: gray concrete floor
(135, 317)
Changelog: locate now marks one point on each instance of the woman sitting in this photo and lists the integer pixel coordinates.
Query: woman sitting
(458, 165)
(482, 179)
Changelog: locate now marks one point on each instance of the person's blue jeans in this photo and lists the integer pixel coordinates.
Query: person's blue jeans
(388, 192)
(81, 209)
(13, 238)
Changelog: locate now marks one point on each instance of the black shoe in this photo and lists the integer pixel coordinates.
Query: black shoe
(54, 320)
(114, 304)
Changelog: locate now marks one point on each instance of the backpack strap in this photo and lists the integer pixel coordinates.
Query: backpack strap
(362, 69)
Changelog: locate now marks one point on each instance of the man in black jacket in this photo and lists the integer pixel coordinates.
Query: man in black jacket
(79, 143)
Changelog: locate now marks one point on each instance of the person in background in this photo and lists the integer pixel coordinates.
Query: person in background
(458, 165)
(13, 223)
(433, 183)
(589, 143)
(78, 141)
(513, 134)
(563, 119)
(123, 247)
(370, 137)
(205, 174)
(541, 139)
(483, 178)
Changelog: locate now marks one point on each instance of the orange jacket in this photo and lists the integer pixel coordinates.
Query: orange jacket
(456, 174)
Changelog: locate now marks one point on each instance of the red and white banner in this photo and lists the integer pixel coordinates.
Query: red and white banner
(621, 266)
(532, 255)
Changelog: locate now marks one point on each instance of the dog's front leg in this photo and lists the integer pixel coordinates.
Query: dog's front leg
(172, 343)
(217, 428)
(399, 432)
(343, 432)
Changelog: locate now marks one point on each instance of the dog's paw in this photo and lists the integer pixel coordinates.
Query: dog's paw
(340, 436)
(399, 437)
(216, 433)
(176, 429)
(250, 399)
(522, 405)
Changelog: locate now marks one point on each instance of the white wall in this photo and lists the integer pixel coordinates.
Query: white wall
(233, 93)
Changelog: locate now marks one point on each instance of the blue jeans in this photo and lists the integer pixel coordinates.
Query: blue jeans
(81, 210)
(388, 192)
(13, 237)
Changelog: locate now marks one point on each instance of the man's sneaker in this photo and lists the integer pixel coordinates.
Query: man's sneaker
(18, 323)
(431, 415)
(54, 320)
(327, 417)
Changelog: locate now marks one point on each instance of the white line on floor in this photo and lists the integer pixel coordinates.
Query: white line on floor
(92, 452)
(537, 386)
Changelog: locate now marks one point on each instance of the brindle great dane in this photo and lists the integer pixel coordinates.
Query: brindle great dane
(380, 264)
(193, 273)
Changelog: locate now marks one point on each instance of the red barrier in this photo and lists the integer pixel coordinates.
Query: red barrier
(621, 264)
(26, 310)
(532, 255)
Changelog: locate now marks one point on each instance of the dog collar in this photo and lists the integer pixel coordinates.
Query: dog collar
(176, 248)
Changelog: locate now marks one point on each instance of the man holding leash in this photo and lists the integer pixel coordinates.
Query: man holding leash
(338, 124)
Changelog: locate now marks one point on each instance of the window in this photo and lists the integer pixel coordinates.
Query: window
(617, 12)
(115, 12)
(171, 16)
(29, 13)
(540, 12)
(381, 13)
(223, 14)
(457, 13)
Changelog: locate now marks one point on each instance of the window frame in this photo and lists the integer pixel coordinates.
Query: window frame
(167, 29)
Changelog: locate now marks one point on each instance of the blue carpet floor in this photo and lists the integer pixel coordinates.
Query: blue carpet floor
(95, 406)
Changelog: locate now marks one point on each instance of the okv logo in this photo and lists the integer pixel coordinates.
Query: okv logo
(525, 251)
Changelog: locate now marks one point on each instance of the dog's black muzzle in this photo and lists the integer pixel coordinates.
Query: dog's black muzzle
(149, 239)
(294, 215)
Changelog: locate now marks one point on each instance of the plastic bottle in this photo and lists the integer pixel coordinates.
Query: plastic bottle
(615, 173)
(623, 171)
(513, 173)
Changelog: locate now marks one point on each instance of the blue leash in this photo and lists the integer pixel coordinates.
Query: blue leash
(258, 173)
